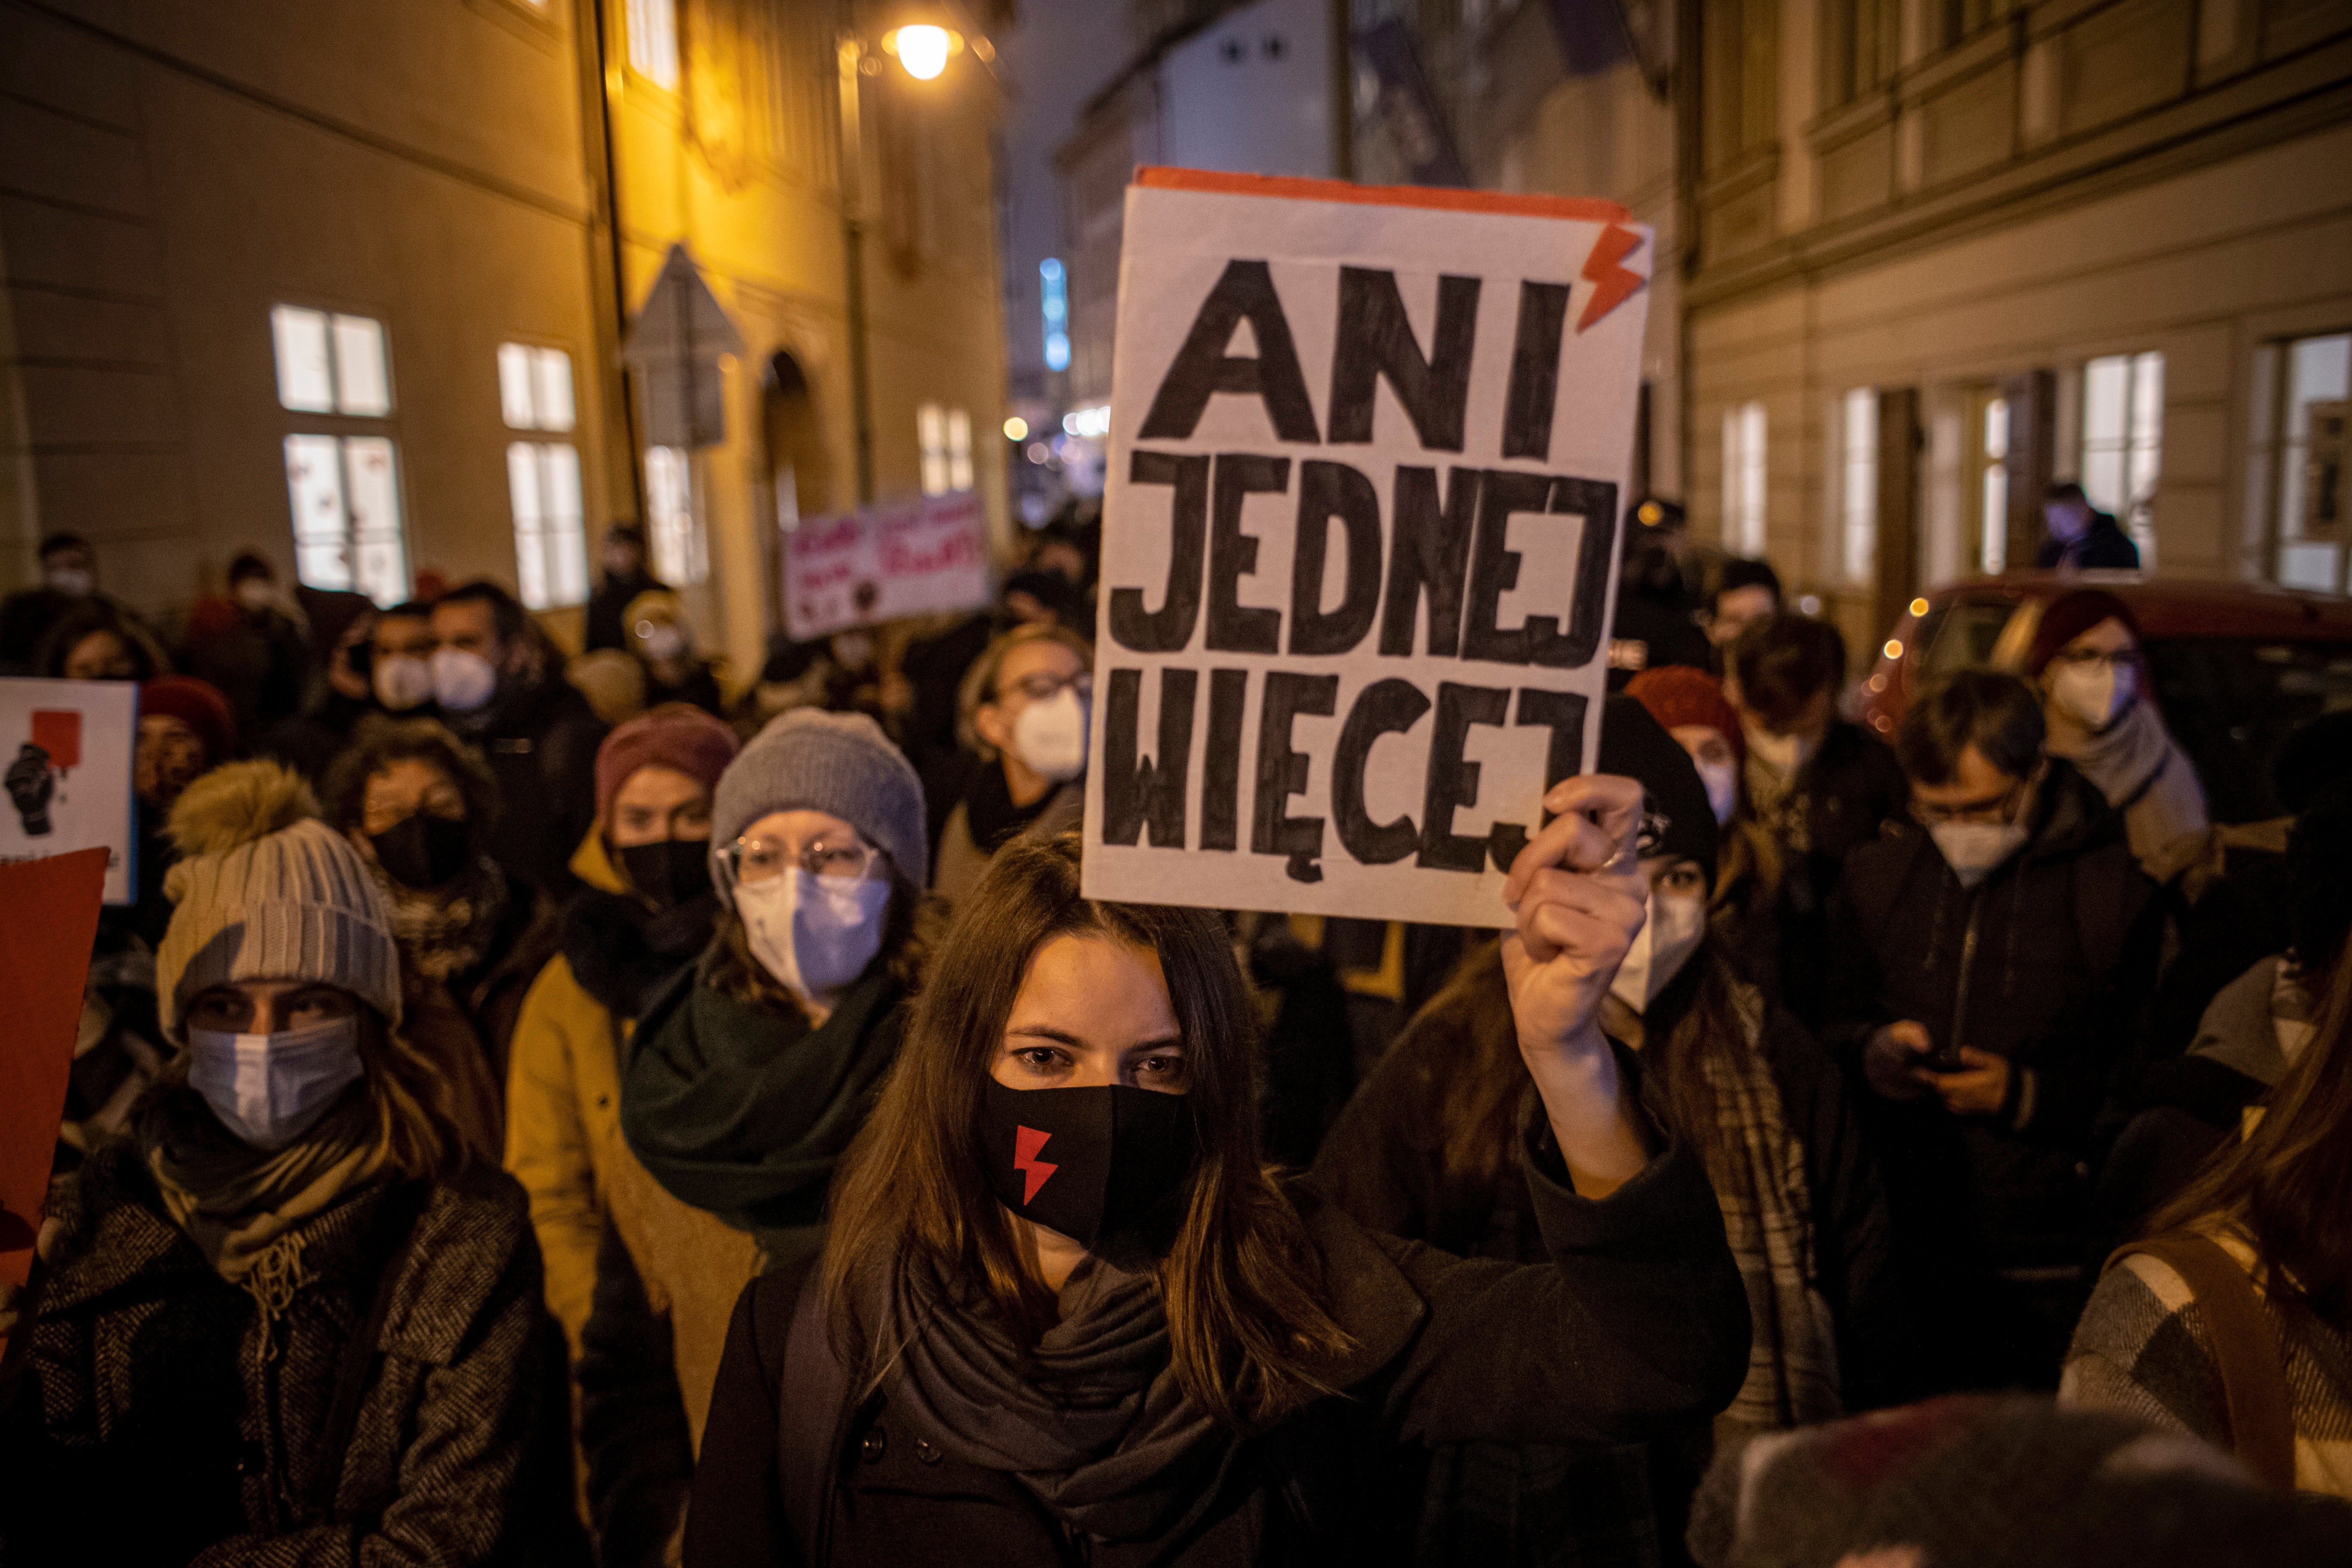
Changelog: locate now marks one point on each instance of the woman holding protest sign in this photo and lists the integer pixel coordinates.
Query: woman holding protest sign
(1426, 1150)
(1064, 1307)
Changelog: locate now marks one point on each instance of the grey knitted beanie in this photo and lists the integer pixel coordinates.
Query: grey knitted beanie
(267, 892)
(839, 764)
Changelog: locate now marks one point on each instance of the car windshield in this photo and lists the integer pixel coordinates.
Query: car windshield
(1961, 635)
(2231, 704)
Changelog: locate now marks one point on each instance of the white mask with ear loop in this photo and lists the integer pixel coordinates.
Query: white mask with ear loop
(269, 1090)
(2094, 695)
(1722, 782)
(816, 934)
(1050, 737)
(1677, 924)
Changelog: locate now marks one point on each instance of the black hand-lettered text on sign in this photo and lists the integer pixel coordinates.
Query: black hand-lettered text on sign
(1367, 463)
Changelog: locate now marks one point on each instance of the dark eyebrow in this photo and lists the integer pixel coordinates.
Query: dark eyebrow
(1165, 1043)
(1046, 1032)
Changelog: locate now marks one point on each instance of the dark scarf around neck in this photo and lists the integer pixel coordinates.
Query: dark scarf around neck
(621, 952)
(989, 813)
(1091, 1419)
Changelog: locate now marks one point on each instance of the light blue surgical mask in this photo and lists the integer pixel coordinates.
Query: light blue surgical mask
(269, 1090)
(816, 934)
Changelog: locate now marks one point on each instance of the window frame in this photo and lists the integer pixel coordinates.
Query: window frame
(339, 429)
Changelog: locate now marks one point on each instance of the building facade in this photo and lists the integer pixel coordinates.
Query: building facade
(1944, 252)
(348, 284)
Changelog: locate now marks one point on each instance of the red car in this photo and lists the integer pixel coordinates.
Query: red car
(2234, 667)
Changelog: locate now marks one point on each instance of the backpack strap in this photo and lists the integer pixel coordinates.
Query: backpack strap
(395, 1234)
(2245, 1347)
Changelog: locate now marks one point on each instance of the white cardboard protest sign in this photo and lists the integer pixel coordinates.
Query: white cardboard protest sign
(904, 558)
(1369, 454)
(65, 757)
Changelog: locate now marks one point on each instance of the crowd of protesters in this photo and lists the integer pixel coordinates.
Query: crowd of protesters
(548, 1108)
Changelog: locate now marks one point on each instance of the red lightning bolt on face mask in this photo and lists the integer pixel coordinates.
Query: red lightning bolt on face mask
(1611, 285)
(1027, 1143)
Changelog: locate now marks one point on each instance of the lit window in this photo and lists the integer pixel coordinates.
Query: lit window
(345, 493)
(2314, 471)
(330, 364)
(1861, 479)
(2123, 442)
(1992, 485)
(344, 490)
(550, 549)
(958, 449)
(673, 525)
(535, 387)
(652, 40)
(1743, 478)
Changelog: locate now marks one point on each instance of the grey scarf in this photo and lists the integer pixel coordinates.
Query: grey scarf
(1092, 1420)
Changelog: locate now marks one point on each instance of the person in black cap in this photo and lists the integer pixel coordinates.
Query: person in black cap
(1424, 1150)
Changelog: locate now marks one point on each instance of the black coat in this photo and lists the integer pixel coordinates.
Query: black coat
(1384, 1163)
(2105, 547)
(1852, 789)
(2047, 963)
(609, 602)
(541, 743)
(1636, 1321)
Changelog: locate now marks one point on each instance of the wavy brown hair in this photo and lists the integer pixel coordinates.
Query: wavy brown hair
(2283, 1183)
(1249, 1334)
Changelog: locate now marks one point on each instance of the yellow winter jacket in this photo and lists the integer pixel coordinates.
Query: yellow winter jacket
(564, 1145)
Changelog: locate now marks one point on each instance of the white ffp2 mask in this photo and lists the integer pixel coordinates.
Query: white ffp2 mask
(1677, 924)
(402, 681)
(816, 934)
(463, 682)
(2094, 695)
(1050, 737)
(269, 1090)
(1975, 849)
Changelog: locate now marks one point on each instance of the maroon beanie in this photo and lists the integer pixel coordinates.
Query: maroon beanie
(1677, 695)
(199, 705)
(672, 736)
(2068, 617)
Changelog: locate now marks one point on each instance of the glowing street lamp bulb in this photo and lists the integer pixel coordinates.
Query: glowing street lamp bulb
(924, 50)
(1017, 428)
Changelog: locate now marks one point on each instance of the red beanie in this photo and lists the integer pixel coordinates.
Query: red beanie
(1677, 695)
(2068, 617)
(199, 705)
(672, 736)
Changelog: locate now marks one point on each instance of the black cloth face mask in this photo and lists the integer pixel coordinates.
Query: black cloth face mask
(423, 850)
(669, 871)
(1091, 1163)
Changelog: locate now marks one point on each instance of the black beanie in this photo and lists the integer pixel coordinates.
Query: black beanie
(1679, 820)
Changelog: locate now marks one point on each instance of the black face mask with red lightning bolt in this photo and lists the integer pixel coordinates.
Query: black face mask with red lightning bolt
(1091, 1163)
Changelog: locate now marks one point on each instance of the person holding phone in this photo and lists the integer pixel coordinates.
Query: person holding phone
(1990, 959)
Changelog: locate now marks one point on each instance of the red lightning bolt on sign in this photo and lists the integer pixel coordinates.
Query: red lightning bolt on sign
(1026, 1143)
(1611, 285)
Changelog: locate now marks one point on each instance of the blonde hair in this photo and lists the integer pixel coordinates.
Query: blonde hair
(979, 687)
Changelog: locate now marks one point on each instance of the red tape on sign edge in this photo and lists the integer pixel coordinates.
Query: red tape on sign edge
(1289, 187)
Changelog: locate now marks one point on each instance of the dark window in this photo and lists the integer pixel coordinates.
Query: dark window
(2231, 704)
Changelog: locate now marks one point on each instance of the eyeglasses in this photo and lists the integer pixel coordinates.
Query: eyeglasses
(1044, 687)
(2083, 658)
(2003, 810)
(758, 859)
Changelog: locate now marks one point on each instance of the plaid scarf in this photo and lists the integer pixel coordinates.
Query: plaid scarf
(1758, 1172)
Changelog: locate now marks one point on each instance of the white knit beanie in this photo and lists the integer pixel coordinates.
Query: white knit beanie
(267, 892)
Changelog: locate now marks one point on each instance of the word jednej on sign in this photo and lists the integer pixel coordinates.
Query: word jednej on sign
(1345, 647)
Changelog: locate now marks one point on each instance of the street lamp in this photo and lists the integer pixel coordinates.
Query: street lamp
(923, 49)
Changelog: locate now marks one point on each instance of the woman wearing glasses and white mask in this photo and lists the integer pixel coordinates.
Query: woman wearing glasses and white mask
(1024, 709)
(748, 1079)
(2086, 659)
(1426, 1151)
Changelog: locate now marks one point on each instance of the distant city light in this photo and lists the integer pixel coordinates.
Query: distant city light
(1038, 452)
(1893, 648)
(1017, 428)
(1092, 423)
(1918, 606)
(1053, 301)
(924, 49)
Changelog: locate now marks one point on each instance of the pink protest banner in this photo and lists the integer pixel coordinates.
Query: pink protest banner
(903, 558)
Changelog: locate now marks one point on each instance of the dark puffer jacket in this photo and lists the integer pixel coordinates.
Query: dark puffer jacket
(2048, 962)
(166, 1419)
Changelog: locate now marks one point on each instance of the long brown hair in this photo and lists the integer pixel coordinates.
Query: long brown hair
(2285, 1183)
(1249, 1336)
(1478, 1110)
